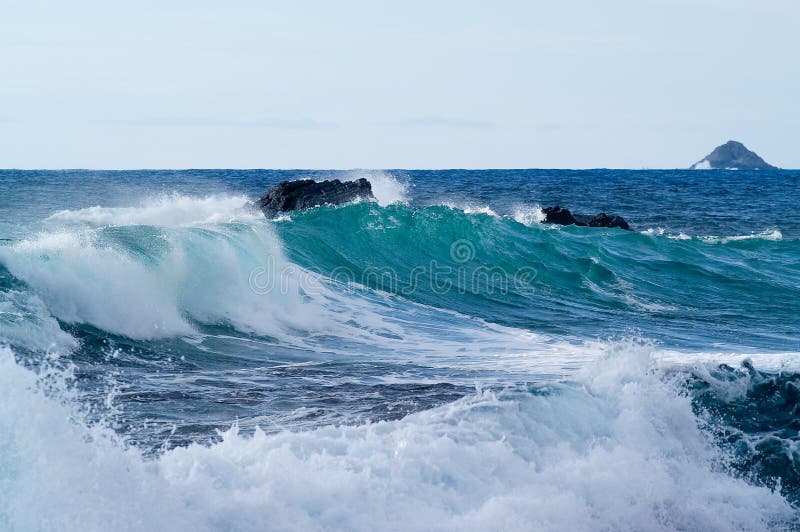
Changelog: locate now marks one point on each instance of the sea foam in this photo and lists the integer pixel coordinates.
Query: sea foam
(164, 210)
(159, 281)
(386, 188)
(148, 274)
(617, 449)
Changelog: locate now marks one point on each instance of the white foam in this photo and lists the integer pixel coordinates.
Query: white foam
(170, 210)
(56, 473)
(26, 322)
(84, 276)
(529, 215)
(83, 281)
(386, 188)
(470, 208)
(236, 275)
(620, 449)
(772, 235)
(480, 209)
(766, 361)
(702, 165)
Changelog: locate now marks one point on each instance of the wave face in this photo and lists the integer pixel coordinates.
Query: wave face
(562, 280)
(436, 359)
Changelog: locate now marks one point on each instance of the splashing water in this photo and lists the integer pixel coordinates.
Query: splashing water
(438, 359)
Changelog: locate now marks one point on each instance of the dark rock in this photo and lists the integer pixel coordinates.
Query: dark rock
(582, 220)
(604, 220)
(307, 193)
(557, 215)
(732, 155)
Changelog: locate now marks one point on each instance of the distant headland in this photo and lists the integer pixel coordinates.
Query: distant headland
(732, 155)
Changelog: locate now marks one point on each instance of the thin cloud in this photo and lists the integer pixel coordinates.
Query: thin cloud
(274, 123)
(442, 121)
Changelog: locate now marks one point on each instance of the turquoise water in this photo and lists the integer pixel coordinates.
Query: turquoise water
(436, 359)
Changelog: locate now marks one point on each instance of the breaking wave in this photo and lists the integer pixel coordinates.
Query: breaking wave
(568, 430)
(618, 448)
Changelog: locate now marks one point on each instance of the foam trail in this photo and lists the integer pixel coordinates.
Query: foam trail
(774, 235)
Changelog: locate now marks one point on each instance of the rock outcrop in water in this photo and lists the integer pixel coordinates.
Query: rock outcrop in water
(307, 193)
(557, 215)
(732, 156)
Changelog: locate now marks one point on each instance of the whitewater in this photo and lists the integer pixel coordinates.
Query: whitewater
(437, 359)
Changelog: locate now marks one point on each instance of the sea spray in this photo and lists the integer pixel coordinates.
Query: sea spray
(169, 210)
(385, 364)
(619, 448)
(386, 188)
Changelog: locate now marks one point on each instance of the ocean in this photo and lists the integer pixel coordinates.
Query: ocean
(439, 359)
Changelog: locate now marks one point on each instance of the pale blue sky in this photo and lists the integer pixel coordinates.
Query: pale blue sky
(412, 84)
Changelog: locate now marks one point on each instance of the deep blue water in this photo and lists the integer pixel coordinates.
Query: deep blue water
(439, 352)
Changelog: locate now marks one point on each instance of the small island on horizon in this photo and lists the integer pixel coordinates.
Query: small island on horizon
(732, 155)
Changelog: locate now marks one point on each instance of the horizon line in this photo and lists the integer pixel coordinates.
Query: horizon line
(373, 169)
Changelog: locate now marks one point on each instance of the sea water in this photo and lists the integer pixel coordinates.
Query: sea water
(437, 359)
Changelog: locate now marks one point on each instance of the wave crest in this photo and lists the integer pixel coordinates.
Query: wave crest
(170, 210)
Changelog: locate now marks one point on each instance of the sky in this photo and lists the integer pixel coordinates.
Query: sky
(411, 84)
